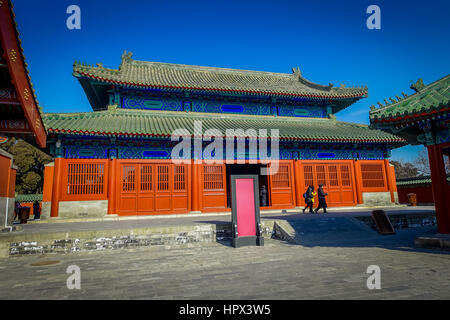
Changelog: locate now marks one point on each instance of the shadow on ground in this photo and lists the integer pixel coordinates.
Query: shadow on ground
(337, 231)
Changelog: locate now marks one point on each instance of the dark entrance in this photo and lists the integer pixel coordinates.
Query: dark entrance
(235, 169)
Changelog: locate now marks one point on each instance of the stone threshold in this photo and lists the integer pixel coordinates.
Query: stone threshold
(433, 241)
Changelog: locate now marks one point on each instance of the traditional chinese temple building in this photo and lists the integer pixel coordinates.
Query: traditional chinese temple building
(424, 118)
(117, 159)
(20, 116)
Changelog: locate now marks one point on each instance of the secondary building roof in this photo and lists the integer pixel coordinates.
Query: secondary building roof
(416, 181)
(146, 123)
(178, 78)
(431, 100)
(408, 116)
(28, 197)
(19, 112)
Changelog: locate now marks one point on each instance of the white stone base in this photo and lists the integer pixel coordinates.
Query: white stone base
(83, 209)
(45, 210)
(3, 203)
(373, 199)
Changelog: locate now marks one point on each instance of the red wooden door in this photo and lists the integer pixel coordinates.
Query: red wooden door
(180, 195)
(214, 195)
(152, 188)
(336, 179)
(127, 189)
(146, 194)
(163, 187)
(281, 186)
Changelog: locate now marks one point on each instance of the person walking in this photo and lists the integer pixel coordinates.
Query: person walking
(263, 196)
(309, 199)
(322, 201)
(17, 211)
(36, 210)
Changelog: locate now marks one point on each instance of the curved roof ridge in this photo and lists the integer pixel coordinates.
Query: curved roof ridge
(171, 76)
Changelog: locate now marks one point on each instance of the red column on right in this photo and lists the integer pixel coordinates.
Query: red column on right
(441, 189)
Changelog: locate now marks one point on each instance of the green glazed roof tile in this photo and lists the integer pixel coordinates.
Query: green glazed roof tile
(188, 77)
(406, 182)
(431, 98)
(28, 197)
(163, 123)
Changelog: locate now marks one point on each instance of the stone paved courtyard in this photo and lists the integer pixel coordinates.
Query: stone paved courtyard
(217, 271)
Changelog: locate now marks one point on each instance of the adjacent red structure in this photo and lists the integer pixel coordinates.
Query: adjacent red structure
(20, 116)
(424, 118)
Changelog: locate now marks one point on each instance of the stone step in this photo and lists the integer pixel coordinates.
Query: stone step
(17, 244)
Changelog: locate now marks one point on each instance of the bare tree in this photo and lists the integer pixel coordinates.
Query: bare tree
(404, 169)
(422, 163)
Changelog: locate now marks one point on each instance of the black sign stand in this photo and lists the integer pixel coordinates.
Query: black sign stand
(253, 240)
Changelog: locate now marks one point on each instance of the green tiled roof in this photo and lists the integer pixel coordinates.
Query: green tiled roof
(429, 100)
(416, 181)
(133, 73)
(28, 197)
(146, 123)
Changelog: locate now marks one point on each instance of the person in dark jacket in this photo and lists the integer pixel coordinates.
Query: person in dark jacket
(309, 199)
(17, 211)
(36, 210)
(263, 196)
(322, 202)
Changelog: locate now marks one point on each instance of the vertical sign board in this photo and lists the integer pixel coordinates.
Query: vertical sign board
(382, 222)
(245, 211)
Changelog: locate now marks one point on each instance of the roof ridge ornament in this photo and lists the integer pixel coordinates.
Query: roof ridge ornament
(298, 74)
(112, 108)
(127, 57)
(418, 85)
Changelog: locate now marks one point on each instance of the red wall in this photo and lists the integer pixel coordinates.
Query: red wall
(7, 176)
(424, 194)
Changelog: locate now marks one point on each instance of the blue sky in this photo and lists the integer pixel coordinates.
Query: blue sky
(328, 40)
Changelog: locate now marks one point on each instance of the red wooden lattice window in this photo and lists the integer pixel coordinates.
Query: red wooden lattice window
(85, 178)
(345, 176)
(146, 178)
(308, 175)
(333, 176)
(372, 175)
(321, 175)
(281, 178)
(213, 177)
(179, 178)
(163, 178)
(128, 178)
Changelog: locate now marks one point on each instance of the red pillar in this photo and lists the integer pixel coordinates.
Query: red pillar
(112, 186)
(389, 185)
(298, 186)
(358, 182)
(195, 186)
(440, 188)
(57, 183)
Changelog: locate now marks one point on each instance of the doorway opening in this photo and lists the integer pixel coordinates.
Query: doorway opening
(232, 169)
